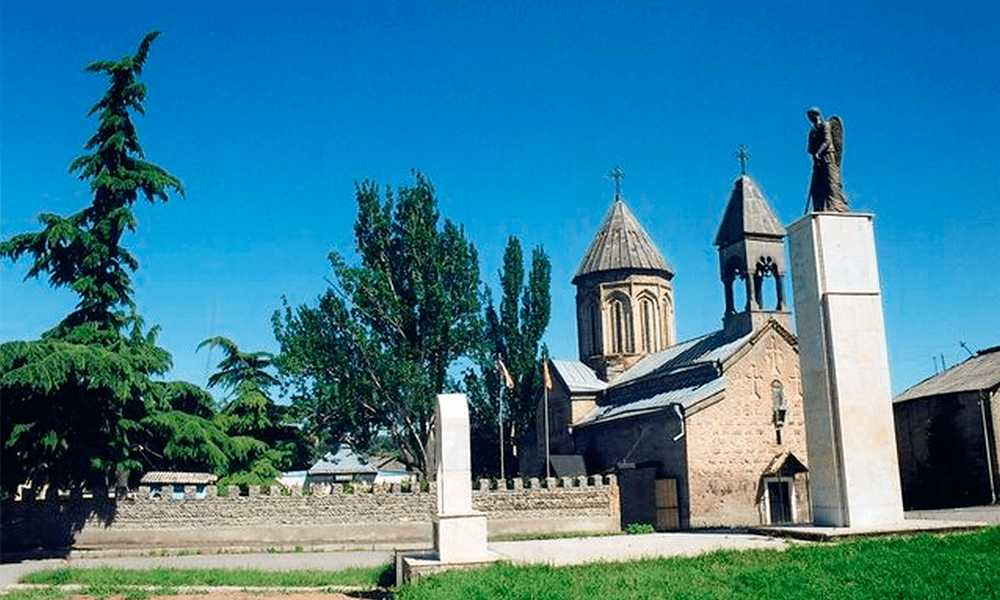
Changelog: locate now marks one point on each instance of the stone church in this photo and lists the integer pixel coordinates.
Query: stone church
(702, 432)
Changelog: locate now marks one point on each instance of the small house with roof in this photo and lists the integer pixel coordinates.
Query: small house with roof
(946, 435)
(343, 465)
(704, 432)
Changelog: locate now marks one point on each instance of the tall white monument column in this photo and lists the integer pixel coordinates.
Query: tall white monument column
(850, 434)
(459, 531)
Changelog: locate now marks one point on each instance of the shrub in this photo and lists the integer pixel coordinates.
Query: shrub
(637, 528)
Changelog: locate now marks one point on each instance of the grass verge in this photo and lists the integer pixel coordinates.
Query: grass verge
(368, 577)
(919, 567)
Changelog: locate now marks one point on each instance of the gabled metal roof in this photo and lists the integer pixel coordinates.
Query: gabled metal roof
(344, 460)
(177, 478)
(578, 376)
(979, 372)
(622, 243)
(747, 214)
(709, 348)
(685, 396)
(685, 375)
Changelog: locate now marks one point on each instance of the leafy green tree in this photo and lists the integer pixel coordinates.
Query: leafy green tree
(263, 443)
(513, 336)
(375, 351)
(72, 402)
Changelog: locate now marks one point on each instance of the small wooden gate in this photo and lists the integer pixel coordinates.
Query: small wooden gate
(667, 508)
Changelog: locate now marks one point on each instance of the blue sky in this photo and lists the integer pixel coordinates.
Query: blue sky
(270, 112)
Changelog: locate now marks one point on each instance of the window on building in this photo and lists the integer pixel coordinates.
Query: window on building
(647, 315)
(778, 400)
(621, 325)
(595, 329)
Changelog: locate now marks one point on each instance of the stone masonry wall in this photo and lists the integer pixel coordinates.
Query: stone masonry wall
(731, 443)
(360, 513)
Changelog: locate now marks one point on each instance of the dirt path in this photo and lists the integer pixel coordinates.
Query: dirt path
(373, 595)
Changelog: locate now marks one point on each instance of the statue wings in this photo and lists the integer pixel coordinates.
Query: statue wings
(837, 136)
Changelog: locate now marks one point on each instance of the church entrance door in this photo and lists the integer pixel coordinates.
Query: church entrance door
(779, 500)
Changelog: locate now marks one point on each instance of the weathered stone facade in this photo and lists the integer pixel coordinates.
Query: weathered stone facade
(731, 442)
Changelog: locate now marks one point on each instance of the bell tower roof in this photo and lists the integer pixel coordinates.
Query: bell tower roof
(748, 214)
(621, 243)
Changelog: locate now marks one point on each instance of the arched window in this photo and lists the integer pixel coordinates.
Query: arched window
(621, 325)
(649, 341)
(766, 267)
(595, 329)
(778, 400)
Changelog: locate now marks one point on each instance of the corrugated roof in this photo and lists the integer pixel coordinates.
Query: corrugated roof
(980, 372)
(708, 348)
(685, 396)
(344, 461)
(748, 212)
(177, 478)
(685, 374)
(621, 243)
(578, 376)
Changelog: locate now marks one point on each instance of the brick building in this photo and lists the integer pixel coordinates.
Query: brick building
(704, 432)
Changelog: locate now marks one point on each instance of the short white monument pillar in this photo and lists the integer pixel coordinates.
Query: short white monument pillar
(459, 531)
(850, 434)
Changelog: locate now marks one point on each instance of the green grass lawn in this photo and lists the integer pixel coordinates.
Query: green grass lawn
(138, 584)
(962, 566)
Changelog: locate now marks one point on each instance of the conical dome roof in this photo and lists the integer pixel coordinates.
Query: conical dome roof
(748, 213)
(622, 243)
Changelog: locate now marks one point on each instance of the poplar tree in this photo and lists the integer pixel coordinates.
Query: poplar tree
(72, 401)
(513, 335)
(374, 353)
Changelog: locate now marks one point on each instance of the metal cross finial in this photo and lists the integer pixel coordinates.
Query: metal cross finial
(617, 175)
(743, 153)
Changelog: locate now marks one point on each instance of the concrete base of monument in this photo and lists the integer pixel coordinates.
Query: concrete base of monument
(460, 542)
(461, 538)
(819, 533)
(414, 565)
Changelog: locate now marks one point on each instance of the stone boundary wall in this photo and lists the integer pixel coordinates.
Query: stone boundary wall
(353, 513)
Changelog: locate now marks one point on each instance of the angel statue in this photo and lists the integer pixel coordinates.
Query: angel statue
(826, 146)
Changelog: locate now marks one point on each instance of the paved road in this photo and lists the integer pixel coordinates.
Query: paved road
(979, 514)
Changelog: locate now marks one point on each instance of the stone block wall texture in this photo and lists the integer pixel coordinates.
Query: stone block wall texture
(730, 443)
(273, 516)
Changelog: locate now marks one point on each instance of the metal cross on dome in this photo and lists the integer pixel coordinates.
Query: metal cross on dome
(743, 154)
(617, 175)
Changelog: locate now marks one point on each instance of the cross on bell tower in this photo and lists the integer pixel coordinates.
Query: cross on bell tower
(744, 156)
(617, 175)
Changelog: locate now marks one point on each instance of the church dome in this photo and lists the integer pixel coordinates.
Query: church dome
(622, 244)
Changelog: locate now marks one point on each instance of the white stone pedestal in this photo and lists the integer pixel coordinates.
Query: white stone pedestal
(461, 538)
(850, 435)
(459, 531)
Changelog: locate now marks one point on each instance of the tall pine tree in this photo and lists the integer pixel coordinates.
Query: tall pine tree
(72, 401)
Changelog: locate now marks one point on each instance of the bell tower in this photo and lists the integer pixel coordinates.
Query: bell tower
(624, 295)
(751, 244)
